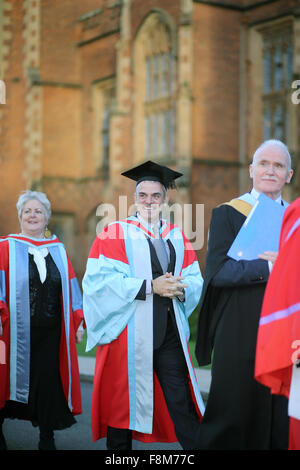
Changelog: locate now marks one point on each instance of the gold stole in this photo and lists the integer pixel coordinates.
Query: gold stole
(241, 206)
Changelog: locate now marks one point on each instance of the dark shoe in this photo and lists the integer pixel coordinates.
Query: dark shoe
(47, 441)
(118, 439)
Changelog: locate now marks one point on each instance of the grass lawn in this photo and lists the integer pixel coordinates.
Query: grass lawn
(81, 351)
(81, 348)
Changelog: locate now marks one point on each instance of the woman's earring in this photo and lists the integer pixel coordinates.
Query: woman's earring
(47, 233)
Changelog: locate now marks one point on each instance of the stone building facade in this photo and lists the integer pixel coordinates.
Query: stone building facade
(95, 87)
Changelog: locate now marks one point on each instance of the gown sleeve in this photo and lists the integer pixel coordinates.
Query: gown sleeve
(230, 272)
(110, 293)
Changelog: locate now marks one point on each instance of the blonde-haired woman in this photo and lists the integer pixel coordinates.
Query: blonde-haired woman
(40, 315)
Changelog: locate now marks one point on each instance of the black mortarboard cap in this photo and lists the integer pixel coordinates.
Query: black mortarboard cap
(150, 171)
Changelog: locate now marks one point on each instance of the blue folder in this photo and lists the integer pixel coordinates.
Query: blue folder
(260, 232)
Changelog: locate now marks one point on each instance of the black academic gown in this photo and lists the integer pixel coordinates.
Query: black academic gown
(240, 414)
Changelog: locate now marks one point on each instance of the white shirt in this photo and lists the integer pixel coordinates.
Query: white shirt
(255, 194)
(154, 228)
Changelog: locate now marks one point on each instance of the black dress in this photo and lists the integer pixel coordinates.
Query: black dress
(47, 406)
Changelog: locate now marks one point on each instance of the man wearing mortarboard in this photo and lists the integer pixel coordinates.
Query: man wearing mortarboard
(142, 282)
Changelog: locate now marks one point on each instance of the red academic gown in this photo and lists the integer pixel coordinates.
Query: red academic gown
(279, 328)
(110, 400)
(68, 354)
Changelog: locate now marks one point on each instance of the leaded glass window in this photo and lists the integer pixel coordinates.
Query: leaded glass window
(159, 104)
(277, 80)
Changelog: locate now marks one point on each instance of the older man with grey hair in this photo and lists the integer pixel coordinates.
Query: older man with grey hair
(241, 414)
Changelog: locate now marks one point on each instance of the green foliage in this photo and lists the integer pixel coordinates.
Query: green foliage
(193, 318)
(82, 346)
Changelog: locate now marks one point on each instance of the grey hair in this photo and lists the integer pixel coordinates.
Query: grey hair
(28, 196)
(279, 144)
(163, 188)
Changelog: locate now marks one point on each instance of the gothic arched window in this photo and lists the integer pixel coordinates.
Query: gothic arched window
(277, 79)
(154, 89)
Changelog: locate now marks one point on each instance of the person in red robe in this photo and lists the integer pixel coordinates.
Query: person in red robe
(40, 313)
(278, 341)
(136, 311)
